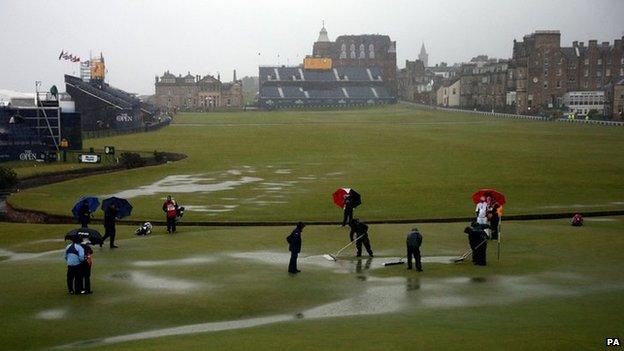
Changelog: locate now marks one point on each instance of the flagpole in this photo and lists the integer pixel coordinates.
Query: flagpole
(498, 244)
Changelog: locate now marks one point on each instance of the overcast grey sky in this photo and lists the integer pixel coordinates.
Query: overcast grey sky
(141, 39)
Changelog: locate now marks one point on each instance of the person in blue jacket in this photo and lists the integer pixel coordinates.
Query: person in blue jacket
(74, 256)
(294, 246)
(413, 242)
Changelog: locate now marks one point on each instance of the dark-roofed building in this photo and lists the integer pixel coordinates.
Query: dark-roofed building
(544, 71)
(614, 98)
(484, 84)
(366, 51)
(197, 93)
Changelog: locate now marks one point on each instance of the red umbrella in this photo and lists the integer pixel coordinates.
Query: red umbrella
(339, 197)
(500, 198)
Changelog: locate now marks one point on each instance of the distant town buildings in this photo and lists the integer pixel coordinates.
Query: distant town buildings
(194, 92)
(544, 71)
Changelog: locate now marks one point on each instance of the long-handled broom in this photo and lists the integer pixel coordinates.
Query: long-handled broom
(468, 253)
(334, 257)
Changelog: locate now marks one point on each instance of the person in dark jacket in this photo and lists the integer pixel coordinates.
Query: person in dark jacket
(359, 231)
(348, 210)
(413, 242)
(494, 218)
(477, 238)
(294, 246)
(86, 268)
(170, 207)
(110, 217)
(84, 214)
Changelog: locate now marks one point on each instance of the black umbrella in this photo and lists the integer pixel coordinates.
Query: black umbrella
(124, 209)
(79, 234)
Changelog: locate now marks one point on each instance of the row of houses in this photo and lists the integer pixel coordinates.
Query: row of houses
(541, 77)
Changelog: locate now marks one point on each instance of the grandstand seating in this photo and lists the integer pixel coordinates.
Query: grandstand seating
(340, 86)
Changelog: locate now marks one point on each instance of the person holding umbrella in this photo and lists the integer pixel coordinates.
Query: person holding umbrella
(481, 211)
(413, 242)
(84, 214)
(294, 246)
(360, 230)
(347, 216)
(110, 217)
(74, 256)
(170, 207)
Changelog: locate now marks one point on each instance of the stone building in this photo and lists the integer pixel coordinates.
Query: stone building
(197, 93)
(449, 96)
(367, 50)
(415, 83)
(614, 99)
(544, 71)
(485, 83)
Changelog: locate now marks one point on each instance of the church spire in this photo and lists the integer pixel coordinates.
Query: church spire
(323, 34)
(424, 56)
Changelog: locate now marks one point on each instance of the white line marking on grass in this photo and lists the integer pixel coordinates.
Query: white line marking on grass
(20, 256)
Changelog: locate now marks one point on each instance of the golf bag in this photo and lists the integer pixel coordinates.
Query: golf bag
(145, 229)
(180, 212)
(577, 220)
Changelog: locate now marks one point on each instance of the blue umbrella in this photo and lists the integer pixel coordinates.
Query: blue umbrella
(124, 209)
(92, 202)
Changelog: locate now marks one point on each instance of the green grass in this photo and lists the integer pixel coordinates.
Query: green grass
(406, 162)
(26, 169)
(556, 287)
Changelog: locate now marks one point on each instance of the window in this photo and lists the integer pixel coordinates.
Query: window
(545, 73)
(362, 53)
(371, 51)
(598, 74)
(559, 71)
(608, 72)
(558, 84)
(343, 51)
(586, 74)
(586, 61)
(352, 47)
(599, 61)
(545, 85)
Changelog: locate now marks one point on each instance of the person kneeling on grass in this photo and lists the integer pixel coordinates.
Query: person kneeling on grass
(413, 242)
(74, 256)
(294, 246)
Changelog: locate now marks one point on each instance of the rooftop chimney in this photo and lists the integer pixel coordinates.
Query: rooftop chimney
(581, 44)
(605, 44)
(593, 43)
(574, 43)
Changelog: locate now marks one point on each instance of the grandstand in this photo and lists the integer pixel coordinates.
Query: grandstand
(293, 87)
